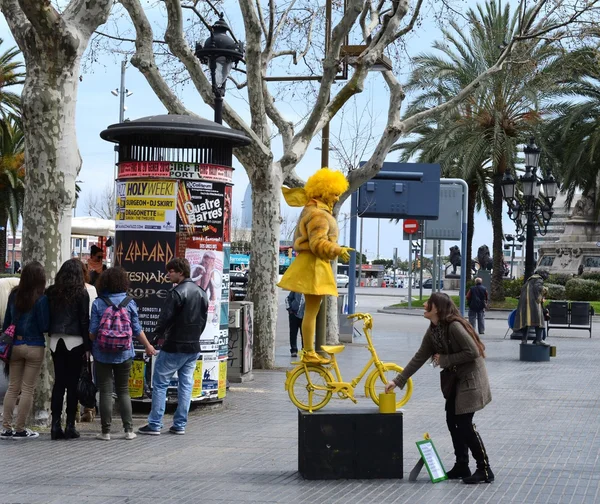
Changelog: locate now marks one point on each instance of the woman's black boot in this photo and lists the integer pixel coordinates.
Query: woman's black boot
(484, 473)
(459, 471)
(71, 431)
(56, 431)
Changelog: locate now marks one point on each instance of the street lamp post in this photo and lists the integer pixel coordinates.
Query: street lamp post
(221, 53)
(531, 210)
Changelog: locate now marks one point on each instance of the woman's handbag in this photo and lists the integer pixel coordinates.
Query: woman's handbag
(86, 390)
(6, 342)
(448, 381)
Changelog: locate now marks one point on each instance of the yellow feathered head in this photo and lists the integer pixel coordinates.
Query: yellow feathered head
(325, 185)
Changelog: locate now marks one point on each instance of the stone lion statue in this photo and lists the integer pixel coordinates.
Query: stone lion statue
(454, 258)
(483, 258)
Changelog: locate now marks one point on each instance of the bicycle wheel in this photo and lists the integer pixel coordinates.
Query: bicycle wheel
(307, 397)
(375, 385)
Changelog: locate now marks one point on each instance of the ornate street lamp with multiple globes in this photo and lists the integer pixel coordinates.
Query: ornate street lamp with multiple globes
(531, 207)
(221, 53)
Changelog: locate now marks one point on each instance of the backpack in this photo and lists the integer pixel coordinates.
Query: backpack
(114, 332)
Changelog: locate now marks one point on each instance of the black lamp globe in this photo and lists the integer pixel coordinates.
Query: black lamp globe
(221, 53)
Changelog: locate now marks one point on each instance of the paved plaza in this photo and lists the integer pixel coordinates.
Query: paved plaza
(542, 433)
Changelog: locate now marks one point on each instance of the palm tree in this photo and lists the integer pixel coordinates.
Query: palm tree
(10, 75)
(486, 129)
(12, 174)
(441, 143)
(573, 136)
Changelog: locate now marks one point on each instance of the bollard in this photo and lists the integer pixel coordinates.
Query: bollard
(387, 403)
(552, 351)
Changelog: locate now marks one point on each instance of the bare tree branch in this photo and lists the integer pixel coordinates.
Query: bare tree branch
(261, 19)
(17, 21)
(412, 22)
(83, 13)
(123, 39)
(44, 18)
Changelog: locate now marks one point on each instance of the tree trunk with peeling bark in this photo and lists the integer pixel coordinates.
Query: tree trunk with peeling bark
(52, 45)
(264, 262)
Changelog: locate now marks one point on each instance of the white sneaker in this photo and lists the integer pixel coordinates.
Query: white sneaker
(130, 435)
(103, 437)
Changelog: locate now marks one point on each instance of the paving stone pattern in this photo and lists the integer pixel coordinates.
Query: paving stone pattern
(541, 432)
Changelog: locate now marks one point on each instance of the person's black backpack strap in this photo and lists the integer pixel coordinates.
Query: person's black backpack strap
(108, 301)
(125, 302)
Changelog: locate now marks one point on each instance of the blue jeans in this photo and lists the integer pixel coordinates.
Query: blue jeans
(165, 366)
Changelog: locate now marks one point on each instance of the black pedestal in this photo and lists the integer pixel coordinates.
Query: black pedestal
(350, 444)
(534, 353)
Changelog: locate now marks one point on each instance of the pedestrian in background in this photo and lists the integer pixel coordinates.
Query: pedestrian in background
(28, 310)
(452, 344)
(114, 322)
(69, 304)
(181, 322)
(295, 307)
(89, 414)
(477, 299)
(95, 264)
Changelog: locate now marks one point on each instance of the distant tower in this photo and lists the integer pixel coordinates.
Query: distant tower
(247, 208)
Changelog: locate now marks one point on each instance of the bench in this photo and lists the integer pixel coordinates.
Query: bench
(570, 315)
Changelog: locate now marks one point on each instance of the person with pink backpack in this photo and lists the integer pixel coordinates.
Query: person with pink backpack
(114, 322)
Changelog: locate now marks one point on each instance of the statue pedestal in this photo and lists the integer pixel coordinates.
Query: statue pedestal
(534, 353)
(354, 443)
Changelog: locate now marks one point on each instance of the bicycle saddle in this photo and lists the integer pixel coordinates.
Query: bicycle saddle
(332, 349)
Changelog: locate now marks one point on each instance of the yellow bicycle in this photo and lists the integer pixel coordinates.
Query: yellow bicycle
(310, 386)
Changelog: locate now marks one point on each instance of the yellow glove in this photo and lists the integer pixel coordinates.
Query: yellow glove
(345, 253)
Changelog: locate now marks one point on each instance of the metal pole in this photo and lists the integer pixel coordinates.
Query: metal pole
(378, 229)
(433, 273)
(410, 273)
(360, 256)
(352, 263)
(421, 268)
(512, 259)
(529, 265)
(321, 329)
(122, 92)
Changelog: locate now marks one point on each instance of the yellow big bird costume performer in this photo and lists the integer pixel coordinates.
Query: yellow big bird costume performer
(315, 241)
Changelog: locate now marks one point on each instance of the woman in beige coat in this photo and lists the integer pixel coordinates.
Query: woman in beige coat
(452, 344)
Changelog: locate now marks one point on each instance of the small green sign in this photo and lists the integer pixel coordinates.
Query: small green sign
(432, 461)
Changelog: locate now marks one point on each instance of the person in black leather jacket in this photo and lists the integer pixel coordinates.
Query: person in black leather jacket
(181, 323)
(69, 304)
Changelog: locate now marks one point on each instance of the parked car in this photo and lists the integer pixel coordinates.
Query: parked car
(342, 280)
(428, 284)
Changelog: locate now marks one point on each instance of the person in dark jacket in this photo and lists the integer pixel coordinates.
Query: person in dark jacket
(28, 310)
(477, 299)
(69, 304)
(451, 343)
(295, 308)
(181, 323)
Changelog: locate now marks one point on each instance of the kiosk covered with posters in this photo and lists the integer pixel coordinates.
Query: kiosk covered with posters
(174, 188)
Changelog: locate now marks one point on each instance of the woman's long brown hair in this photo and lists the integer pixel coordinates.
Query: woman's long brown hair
(448, 313)
(31, 286)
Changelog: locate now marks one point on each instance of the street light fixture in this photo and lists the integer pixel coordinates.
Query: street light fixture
(221, 53)
(531, 210)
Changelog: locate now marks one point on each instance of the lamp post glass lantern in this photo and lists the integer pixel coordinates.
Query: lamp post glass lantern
(221, 53)
(531, 210)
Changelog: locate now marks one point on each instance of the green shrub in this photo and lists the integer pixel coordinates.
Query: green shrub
(555, 291)
(469, 284)
(591, 275)
(512, 288)
(578, 289)
(9, 275)
(559, 278)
